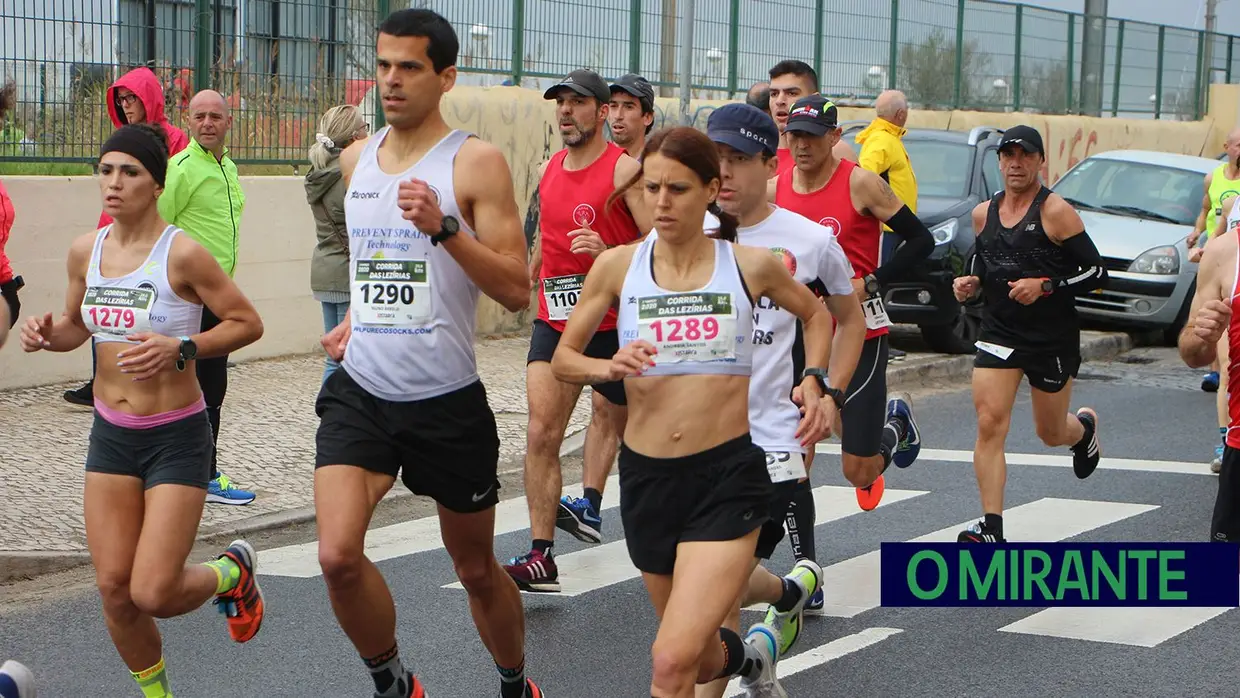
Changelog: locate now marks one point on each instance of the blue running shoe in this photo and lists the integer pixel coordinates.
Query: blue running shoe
(221, 491)
(1209, 382)
(1216, 465)
(815, 605)
(579, 519)
(16, 681)
(901, 405)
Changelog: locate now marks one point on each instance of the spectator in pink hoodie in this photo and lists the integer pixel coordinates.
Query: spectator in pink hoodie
(136, 98)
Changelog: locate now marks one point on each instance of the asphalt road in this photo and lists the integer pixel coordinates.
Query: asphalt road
(596, 643)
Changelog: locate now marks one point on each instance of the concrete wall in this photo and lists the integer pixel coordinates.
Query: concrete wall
(278, 233)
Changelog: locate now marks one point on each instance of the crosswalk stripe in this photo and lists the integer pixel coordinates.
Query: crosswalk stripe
(603, 565)
(853, 586)
(1138, 627)
(1040, 459)
(822, 654)
(408, 538)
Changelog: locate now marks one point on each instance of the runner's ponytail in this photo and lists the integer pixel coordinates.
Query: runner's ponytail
(727, 222)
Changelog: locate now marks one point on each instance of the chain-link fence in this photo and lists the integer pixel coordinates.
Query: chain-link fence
(282, 63)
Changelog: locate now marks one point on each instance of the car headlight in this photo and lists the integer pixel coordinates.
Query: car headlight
(944, 232)
(1160, 260)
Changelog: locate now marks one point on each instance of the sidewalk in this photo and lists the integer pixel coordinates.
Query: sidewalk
(267, 439)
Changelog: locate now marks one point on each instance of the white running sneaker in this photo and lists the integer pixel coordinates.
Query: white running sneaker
(765, 640)
(16, 681)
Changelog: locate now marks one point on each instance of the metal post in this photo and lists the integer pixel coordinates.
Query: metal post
(1067, 108)
(686, 61)
(150, 34)
(959, 54)
(1202, 78)
(275, 39)
(383, 9)
(1093, 56)
(518, 41)
(1020, 21)
(1227, 80)
(667, 48)
(819, 10)
(1158, 77)
(333, 17)
(217, 31)
(1207, 58)
(734, 47)
(1119, 62)
(893, 45)
(635, 36)
(202, 45)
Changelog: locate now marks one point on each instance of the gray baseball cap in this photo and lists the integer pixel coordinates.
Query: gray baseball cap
(637, 86)
(586, 83)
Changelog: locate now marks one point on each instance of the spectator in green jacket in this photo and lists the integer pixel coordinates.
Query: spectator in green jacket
(202, 196)
(325, 189)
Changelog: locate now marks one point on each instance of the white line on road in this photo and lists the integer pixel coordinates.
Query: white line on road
(1134, 464)
(1139, 627)
(822, 654)
(603, 565)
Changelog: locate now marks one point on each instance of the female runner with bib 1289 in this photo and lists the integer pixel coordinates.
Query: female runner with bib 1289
(138, 286)
(686, 328)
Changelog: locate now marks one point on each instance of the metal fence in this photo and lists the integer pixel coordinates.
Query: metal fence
(282, 63)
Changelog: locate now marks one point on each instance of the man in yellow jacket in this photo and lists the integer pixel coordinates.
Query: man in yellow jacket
(883, 153)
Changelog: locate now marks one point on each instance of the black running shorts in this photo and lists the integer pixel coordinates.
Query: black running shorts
(781, 503)
(177, 453)
(720, 494)
(865, 402)
(603, 345)
(1047, 372)
(1225, 524)
(445, 447)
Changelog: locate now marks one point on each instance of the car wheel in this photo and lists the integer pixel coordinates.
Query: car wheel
(957, 336)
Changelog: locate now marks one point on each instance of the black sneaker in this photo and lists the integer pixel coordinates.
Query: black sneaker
(1085, 458)
(979, 533)
(84, 396)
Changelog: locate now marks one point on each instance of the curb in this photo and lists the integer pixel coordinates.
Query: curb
(16, 566)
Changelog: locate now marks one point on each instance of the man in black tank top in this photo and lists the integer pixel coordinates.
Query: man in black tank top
(1031, 259)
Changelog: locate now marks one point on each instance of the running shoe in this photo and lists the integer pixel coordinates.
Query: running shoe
(243, 604)
(979, 533)
(1216, 465)
(535, 572)
(816, 604)
(221, 491)
(869, 497)
(765, 640)
(901, 405)
(415, 687)
(16, 681)
(1209, 382)
(531, 690)
(579, 519)
(1085, 458)
(85, 395)
(894, 355)
(806, 576)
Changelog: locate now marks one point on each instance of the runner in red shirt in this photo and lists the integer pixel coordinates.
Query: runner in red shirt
(791, 80)
(576, 227)
(9, 284)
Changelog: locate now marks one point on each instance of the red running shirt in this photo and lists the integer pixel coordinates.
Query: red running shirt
(1233, 365)
(6, 227)
(786, 161)
(832, 207)
(569, 200)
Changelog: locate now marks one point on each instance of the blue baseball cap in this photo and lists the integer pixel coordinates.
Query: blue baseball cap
(744, 127)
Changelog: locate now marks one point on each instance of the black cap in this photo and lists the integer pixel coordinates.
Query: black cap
(584, 82)
(744, 127)
(815, 115)
(1026, 137)
(637, 86)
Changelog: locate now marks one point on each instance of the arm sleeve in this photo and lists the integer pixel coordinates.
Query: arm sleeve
(175, 195)
(834, 270)
(1091, 275)
(918, 244)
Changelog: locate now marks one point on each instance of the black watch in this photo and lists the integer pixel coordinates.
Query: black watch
(188, 351)
(449, 228)
(871, 285)
(1048, 287)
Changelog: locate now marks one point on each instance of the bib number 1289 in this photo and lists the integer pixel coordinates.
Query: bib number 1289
(690, 328)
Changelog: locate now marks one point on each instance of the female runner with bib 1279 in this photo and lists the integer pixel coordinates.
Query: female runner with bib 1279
(686, 328)
(138, 286)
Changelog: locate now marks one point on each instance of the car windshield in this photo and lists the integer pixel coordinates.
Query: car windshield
(943, 168)
(1135, 189)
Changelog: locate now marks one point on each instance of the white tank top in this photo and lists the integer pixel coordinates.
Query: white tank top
(705, 331)
(140, 301)
(814, 257)
(411, 305)
(1233, 218)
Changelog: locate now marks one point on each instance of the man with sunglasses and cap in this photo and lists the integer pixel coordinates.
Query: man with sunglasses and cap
(1032, 258)
(575, 227)
(631, 113)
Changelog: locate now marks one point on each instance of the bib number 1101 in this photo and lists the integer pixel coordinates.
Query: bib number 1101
(690, 328)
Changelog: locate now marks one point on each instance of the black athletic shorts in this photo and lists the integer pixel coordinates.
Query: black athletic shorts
(603, 345)
(720, 494)
(176, 453)
(1048, 372)
(1225, 524)
(445, 447)
(781, 502)
(865, 402)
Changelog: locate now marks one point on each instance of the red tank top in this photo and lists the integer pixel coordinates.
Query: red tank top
(786, 161)
(1233, 363)
(832, 206)
(569, 200)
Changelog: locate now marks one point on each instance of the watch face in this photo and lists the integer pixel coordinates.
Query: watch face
(451, 224)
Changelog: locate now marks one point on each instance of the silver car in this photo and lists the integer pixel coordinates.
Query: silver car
(1139, 208)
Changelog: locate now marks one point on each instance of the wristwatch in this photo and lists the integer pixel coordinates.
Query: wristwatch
(820, 376)
(187, 351)
(449, 228)
(1048, 287)
(871, 285)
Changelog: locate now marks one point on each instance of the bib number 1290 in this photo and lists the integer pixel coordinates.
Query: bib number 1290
(388, 294)
(391, 292)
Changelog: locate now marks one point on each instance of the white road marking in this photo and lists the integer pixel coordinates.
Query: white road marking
(1138, 627)
(1105, 463)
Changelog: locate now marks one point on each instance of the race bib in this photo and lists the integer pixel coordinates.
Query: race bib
(117, 311)
(997, 349)
(783, 466)
(688, 326)
(875, 313)
(391, 292)
(561, 294)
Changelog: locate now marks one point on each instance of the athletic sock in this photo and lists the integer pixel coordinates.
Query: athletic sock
(994, 524)
(388, 674)
(153, 681)
(512, 681)
(543, 546)
(1222, 432)
(890, 440)
(227, 574)
(734, 653)
(789, 598)
(800, 522)
(595, 498)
